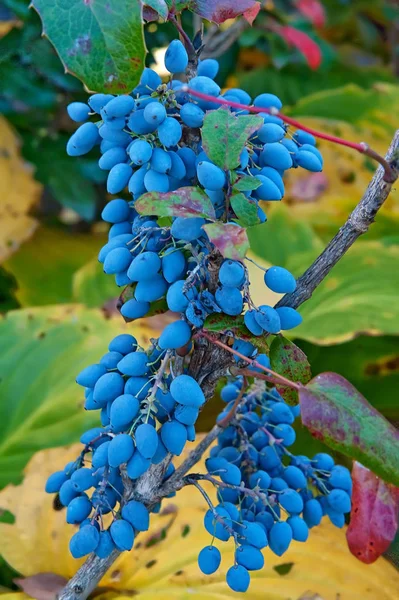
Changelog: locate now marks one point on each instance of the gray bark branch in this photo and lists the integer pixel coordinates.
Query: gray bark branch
(209, 363)
(356, 225)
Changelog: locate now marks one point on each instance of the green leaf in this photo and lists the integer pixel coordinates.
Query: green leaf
(224, 136)
(42, 350)
(291, 362)
(221, 323)
(8, 288)
(99, 41)
(335, 412)
(92, 287)
(44, 266)
(68, 183)
(247, 183)
(299, 237)
(246, 210)
(358, 296)
(185, 202)
(159, 6)
(371, 364)
(231, 240)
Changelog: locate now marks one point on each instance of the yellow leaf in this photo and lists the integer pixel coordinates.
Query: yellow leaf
(167, 570)
(18, 193)
(326, 198)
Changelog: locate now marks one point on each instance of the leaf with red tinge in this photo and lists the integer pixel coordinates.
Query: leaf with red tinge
(225, 135)
(43, 586)
(301, 41)
(217, 11)
(336, 413)
(312, 10)
(158, 6)
(231, 240)
(184, 202)
(289, 360)
(374, 515)
(251, 14)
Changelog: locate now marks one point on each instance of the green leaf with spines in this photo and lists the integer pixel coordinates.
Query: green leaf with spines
(184, 202)
(336, 413)
(246, 210)
(101, 42)
(247, 183)
(290, 361)
(224, 136)
(231, 240)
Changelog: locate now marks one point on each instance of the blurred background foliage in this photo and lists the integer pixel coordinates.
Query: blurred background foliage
(338, 73)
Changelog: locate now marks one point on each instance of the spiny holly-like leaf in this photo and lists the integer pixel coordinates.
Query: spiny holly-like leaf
(336, 413)
(374, 515)
(231, 240)
(157, 308)
(217, 11)
(99, 41)
(289, 360)
(247, 183)
(245, 209)
(159, 6)
(225, 134)
(185, 202)
(221, 323)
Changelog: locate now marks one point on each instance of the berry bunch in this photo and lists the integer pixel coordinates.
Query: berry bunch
(268, 496)
(151, 143)
(143, 144)
(145, 415)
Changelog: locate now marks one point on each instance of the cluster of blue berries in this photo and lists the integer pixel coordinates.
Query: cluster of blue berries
(145, 414)
(142, 140)
(150, 141)
(267, 495)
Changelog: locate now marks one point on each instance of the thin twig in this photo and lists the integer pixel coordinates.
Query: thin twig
(362, 147)
(278, 379)
(356, 225)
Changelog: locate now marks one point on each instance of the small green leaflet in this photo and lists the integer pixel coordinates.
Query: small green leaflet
(247, 183)
(221, 323)
(224, 136)
(99, 41)
(337, 414)
(185, 202)
(289, 360)
(231, 240)
(245, 209)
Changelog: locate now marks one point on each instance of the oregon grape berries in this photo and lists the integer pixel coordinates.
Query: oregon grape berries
(150, 142)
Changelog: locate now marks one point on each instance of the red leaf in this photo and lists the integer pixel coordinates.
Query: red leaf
(312, 10)
(301, 41)
(374, 516)
(219, 11)
(251, 14)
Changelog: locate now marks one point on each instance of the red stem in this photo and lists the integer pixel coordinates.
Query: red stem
(361, 147)
(280, 379)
